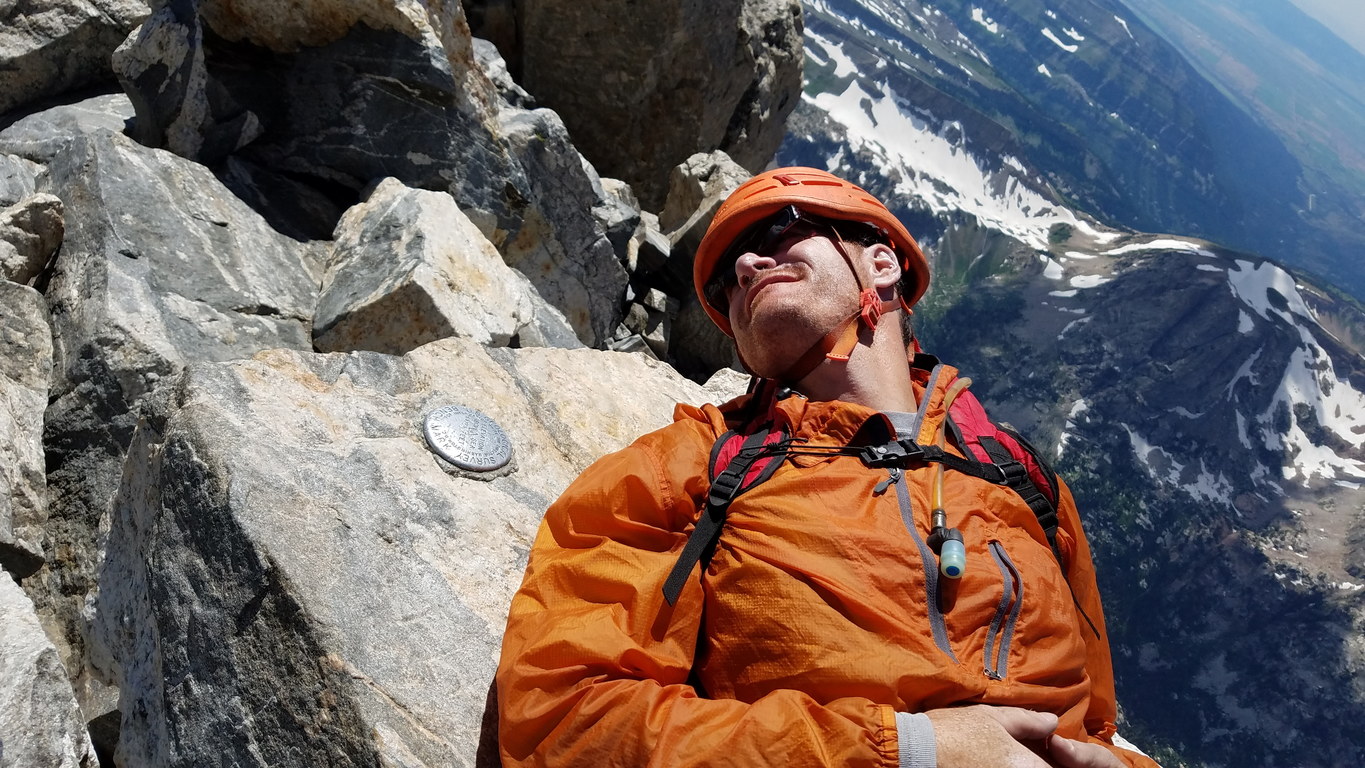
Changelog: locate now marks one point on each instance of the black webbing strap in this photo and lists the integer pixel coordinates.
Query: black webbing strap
(1018, 479)
(725, 486)
(902, 453)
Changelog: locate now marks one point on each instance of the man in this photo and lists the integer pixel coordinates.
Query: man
(831, 621)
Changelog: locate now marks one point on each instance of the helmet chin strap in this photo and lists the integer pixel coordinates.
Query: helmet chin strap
(838, 344)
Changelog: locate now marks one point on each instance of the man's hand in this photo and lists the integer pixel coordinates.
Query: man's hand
(982, 736)
(1066, 753)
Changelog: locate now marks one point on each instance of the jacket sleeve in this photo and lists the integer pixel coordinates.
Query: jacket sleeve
(595, 665)
(1099, 719)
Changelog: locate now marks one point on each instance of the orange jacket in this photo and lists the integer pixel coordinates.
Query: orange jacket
(811, 625)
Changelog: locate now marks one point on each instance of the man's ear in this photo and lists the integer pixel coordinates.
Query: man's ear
(886, 265)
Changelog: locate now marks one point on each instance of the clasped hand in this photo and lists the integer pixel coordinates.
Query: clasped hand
(983, 736)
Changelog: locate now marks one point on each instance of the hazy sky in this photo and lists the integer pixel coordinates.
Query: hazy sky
(1344, 17)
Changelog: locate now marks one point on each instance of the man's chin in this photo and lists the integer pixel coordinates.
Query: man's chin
(772, 364)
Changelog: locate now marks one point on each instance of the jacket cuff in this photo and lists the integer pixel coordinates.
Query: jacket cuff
(915, 736)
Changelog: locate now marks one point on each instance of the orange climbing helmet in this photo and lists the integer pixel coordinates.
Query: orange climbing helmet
(814, 192)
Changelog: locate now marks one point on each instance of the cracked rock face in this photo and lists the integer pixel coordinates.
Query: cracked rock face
(40, 723)
(358, 92)
(283, 519)
(696, 76)
(52, 46)
(161, 266)
(197, 502)
(25, 366)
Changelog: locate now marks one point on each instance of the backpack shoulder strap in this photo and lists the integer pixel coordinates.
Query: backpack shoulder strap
(1026, 472)
(738, 463)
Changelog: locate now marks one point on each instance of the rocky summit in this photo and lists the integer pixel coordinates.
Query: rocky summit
(256, 259)
(247, 253)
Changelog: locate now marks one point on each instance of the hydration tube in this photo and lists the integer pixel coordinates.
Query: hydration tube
(947, 542)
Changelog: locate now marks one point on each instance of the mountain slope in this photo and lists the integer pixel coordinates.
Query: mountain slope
(1114, 117)
(1205, 404)
(1307, 85)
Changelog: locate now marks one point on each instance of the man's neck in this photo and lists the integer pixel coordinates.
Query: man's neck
(876, 375)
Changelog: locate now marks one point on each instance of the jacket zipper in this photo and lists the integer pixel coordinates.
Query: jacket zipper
(937, 625)
(1006, 614)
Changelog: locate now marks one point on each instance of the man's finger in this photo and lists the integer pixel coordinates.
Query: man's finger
(1067, 753)
(1024, 724)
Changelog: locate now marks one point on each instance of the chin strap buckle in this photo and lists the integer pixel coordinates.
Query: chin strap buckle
(870, 308)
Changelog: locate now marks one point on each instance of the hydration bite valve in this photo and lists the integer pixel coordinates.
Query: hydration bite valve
(947, 542)
(952, 559)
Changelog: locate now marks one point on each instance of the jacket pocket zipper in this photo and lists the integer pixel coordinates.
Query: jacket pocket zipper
(937, 625)
(1006, 617)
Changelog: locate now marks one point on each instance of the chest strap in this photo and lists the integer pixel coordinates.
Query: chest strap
(758, 457)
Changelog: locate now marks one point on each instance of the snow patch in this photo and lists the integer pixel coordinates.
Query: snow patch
(1073, 324)
(1165, 244)
(1245, 325)
(1044, 71)
(1079, 255)
(843, 63)
(1242, 436)
(1077, 408)
(1310, 381)
(1088, 281)
(1071, 294)
(980, 17)
(1049, 34)
(1073, 34)
(1252, 284)
(1124, 24)
(1245, 372)
(933, 169)
(1053, 270)
(1208, 268)
(1162, 467)
(1095, 234)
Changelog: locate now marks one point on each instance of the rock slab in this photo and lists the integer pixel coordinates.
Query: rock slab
(408, 267)
(40, 724)
(283, 519)
(25, 367)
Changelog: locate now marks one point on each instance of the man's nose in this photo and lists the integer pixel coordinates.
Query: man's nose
(749, 264)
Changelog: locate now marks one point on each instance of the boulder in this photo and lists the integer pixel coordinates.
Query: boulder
(52, 46)
(40, 724)
(338, 96)
(341, 93)
(696, 188)
(25, 367)
(18, 179)
(43, 136)
(617, 210)
(408, 267)
(561, 246)
(493, 65)
(693, 76)
(161, 266)
(283, 519)
(30, 231)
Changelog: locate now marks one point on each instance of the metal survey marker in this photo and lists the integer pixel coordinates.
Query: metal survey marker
(467, 438)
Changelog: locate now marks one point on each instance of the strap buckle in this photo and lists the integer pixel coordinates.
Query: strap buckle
(898, 453)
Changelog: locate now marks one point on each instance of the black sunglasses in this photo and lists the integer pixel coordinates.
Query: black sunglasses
(765, 236)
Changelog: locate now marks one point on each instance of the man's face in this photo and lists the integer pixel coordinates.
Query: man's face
(786, 297)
